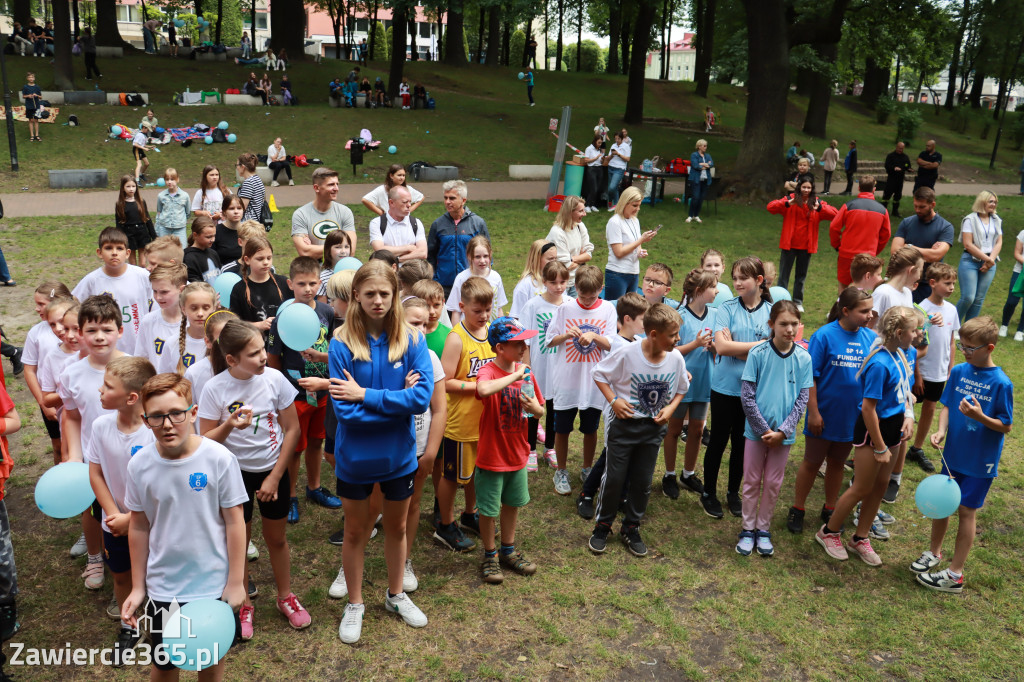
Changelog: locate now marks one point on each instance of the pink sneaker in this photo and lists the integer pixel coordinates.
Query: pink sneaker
(531, 462)
(552, 460)
(297, 616)
(833, 544)
(245, 619)
(864, 550)
(542, 435)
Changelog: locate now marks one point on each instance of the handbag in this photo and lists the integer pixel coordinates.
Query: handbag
(266, 216)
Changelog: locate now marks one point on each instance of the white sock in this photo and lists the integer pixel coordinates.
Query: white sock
(687, 474)
(95, 558)
(670, 473)
(896, 477)
(953, 574)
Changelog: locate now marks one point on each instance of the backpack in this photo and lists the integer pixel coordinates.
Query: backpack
(301, 161)
(134, 99)
(219, 135)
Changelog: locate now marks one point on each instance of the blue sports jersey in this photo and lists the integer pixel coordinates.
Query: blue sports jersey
(745, 326)
(971, 447)
(836, 357)
(885, 379)
(699, 363)
(779, 378)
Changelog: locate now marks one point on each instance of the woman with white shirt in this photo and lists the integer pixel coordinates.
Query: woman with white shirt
(377, 199)
(625, 246)
(571, 239)
(618, 159)
(982, 235)
(592, 173)
(277, 161)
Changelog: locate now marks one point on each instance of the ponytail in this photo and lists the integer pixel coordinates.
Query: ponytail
(848, 298)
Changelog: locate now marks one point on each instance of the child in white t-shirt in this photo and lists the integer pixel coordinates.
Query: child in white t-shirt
(44, 374)
(478, 253)
(902, 274)
(249, 408)
(54, 363)
(40, 342)
(117, 437)
(158, 333)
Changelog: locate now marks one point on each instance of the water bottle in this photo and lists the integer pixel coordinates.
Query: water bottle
(527, 388)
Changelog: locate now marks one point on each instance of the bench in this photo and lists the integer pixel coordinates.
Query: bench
(264, 173)
(106, 52)
(85, 97)
(54, 97)
(115, 98)
(78, 177)
(242, 100)
(212, 56)
(437, 173)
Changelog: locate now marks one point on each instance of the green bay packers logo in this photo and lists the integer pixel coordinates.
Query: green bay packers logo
(322, 228)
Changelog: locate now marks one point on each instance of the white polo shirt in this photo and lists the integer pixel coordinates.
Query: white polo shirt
(405, 232)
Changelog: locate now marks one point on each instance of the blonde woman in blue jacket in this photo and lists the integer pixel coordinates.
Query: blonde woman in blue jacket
(699, 179)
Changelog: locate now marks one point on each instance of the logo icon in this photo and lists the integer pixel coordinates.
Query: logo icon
(172, 624)
(197, 482)
(135, 448)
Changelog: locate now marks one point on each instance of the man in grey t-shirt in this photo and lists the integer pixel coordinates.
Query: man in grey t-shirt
(313, 222)
(928, 231)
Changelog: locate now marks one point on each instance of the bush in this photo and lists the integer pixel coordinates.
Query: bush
(516, 48)
(1017, 130)
(380, 43)
(908, 120)
(959, 120)
(884, 107)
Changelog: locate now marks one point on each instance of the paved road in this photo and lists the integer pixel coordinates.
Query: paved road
(29, 204)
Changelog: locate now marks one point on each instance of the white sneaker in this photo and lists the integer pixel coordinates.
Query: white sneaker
(1002, 330)
(409, 581)
(351, 627)
(689, 219)
(697, 218)
(291, 183)
(275, 183)
(1019, 336)
(561, 481)
(252, 553)
(93, 575)
(79, 549)
(339, 590)
(403, 606)
(800, 307)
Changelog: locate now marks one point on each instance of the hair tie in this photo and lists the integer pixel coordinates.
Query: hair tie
(210, 317)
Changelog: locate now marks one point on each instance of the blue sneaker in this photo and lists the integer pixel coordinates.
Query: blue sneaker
(324, 498)
(764, 543)
(746, 544)
(886, 518)
(293, 510)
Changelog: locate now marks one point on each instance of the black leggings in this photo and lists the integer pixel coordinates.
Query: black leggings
(728, 422)
(278, 166)
(549, 427)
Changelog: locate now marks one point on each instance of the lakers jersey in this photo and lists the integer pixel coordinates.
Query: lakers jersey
(463, 408)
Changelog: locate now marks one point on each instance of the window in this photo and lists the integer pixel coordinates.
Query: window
(128, 13)
(261, 21)
(425, 29)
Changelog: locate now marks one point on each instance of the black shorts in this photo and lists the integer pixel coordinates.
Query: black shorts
(138, 154)
(155, 610)
(115, 553)
(891, 427)
(590, 419)
(138, 235)
(394, 490)
(52, 426)
(271, 511)
(933, 391)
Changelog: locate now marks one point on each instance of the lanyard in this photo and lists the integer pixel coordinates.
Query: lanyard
(904, 380)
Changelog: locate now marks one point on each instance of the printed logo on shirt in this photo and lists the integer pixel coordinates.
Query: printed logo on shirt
(322, 228)
(135, 448)
(234, 406)
(188, 359)
(475, 364)
(397, 365)
(510, 414)
(158, 346)
(576, 351)
(543, 322)
(197, 482)
(650, 392)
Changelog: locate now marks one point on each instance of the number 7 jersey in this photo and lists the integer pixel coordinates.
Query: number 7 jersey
(132, 293)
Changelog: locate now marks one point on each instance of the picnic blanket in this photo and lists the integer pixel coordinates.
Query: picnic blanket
(189, 133)
(128, 133)
(19, 114)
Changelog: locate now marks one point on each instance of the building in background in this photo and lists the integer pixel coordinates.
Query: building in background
(682, 57)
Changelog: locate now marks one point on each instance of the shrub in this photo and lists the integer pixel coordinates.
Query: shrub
(1017, 129)
(516, 48)
(908, 120)
(884, 107)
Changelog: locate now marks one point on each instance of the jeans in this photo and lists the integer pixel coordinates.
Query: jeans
(1008, 308)
(697, 192)
(90, 65)
(147, 36)
(592, 185)
(828, 182)
(529, 93)
(246, 50)
(786, 259)
(617, 284)
(164, 232)
(974, 285)
(614, 178)
(5, 273)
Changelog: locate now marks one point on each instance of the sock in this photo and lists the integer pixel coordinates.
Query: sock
(670, 473)
(507, 550)
(392, 596)
(857, 538)
(828, 508)
(896, 477)
(490, 553)
(95, 558)
(953, 574)
(687, 474)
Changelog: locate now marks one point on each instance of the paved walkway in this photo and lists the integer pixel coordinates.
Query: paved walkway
(30, 204)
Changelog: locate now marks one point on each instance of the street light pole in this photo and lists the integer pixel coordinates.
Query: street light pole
(9, 113)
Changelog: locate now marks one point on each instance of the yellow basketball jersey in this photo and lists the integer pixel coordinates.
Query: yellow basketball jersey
(463, 408)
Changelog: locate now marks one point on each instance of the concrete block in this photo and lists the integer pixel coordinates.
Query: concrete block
(114, 98)
(85, 97)
(78, 177)
(212, 57)
(242, 100)
(437, 174)
(54, 97)
(528, 172)
(104, 52)
(264, 173)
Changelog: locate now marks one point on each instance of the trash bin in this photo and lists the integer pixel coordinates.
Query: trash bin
(572, 185)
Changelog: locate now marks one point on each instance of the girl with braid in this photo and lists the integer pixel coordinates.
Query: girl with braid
(256, 298)
(197, 301)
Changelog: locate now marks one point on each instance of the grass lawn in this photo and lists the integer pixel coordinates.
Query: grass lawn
(693, 609)
(481, 124)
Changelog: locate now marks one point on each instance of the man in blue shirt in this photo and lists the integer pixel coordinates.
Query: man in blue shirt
(928, 231)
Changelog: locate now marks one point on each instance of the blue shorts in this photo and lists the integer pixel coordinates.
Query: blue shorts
(590, 419)
(115, 553)
(394, 490)
(973, 490)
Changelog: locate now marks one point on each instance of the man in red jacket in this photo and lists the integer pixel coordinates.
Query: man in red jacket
(861, 226)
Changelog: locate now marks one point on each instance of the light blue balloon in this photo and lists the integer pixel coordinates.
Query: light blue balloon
(720, 298)
(117, 130)
(392, 149)
(780, 294)
(201, 632)
(937, 496)
(299, 327)
(208, 139)
(160, 182)
(232, 137)
(224, 284)
(64, 490)
(348, 263)
(522, 75)
(280, 308)
(223, 125)
(180, 23)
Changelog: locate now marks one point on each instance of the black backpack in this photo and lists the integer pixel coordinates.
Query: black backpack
(219, 135)
(134, 99)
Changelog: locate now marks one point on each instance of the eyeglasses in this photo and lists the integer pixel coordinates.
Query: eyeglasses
(157, 420)
(655, 282)
(967, 350)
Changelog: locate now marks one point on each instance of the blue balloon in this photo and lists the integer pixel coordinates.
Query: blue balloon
(180, 23)
(720, 298)
(199, 634)
(347, 263)
(208, 139)
(299, 327)
(160, 182)
(64, 490)
(937, 496)
(224, 284)
(232, 137)
(280, 308)
(223, 125)
(780, 294)
(522, 75)
(392, 149)
(117, 130)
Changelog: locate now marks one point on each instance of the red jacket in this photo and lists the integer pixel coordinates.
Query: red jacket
(800, 221)
(861, 226)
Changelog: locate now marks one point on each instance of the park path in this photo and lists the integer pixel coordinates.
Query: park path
(35, 204)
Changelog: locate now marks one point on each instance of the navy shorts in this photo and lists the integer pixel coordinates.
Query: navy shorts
(115, 553)
(973, 490)
(590, 419)
(394, 490)
(933, 391)
(271, 511)
(155, 610)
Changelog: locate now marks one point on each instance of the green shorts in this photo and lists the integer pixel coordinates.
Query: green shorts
(495, 489)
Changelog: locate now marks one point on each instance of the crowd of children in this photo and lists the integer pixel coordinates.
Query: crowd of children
(404, 384)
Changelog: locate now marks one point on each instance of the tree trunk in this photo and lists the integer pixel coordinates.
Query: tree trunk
(480, 39)
(638, 65)
(106, 24)
(21, 11)
(874, 76)
(579, 38)
(506, 43)
(440, 37)
(920, 86)
(668, 39)
(820, 93)
(336, 18)
(663, 72)
(414, 29)
(627, 28)
(494, 36)
(896, 83)
(63, 70)
(954, 63)
(75, 19)
(252, 28)
(220, 19)
(371, 48)
(455, 53)
(399, 19)
(561, 27)
(529, 35)
(614, 35)
(706, 36)
(288, 28)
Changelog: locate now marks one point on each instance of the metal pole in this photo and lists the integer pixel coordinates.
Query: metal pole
(9, 114)
(563, 139)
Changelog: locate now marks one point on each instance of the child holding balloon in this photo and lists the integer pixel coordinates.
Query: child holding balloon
(974, 433)
(298, 347)
(257, 296)
(337, 245)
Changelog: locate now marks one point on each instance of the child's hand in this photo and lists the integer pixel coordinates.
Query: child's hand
(726, 334)
(310, 355)
(918, 388)
(587, 338)
(412, 378)
(883, 457)
(314, 384)
(50, 413)
(970, 407)
(815, 422)
(347, 389)
(663, 415)
(234, 595)
(133, 601)
(241, 418)
(622, 408)
(574, 332)
(268, 490)
(773, 439)
(937, 438)
(705, 338)
(264, 325)
(936, 319)
(118, 524)
(908, 428)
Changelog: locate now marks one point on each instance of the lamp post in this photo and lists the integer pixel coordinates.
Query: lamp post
(9, 114)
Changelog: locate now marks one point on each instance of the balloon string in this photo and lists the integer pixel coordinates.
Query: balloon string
(949, 470)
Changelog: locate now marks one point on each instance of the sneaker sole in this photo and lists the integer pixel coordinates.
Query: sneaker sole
(825, 547)
(939, 588)
(766, 554)
(740, 552)
(671, 497)
(864, 559)
(595, 550)
(444, 543)
(714, 516)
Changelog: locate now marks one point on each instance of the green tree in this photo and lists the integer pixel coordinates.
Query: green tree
(517, 46)
(592, 58)
(380, 42)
